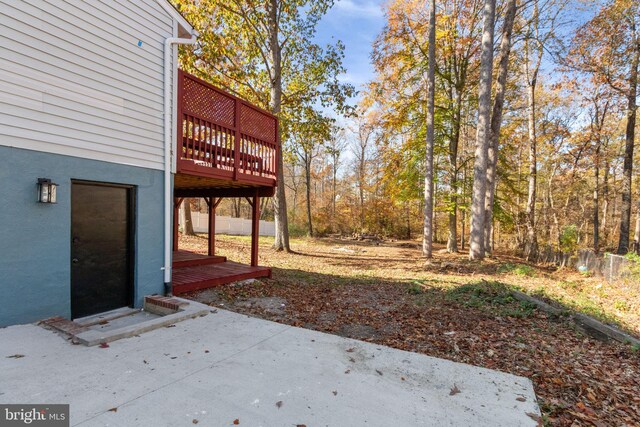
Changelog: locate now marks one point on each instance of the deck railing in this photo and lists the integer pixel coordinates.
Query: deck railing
(223, 136)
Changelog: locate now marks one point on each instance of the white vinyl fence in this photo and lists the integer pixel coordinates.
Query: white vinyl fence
(228, 225)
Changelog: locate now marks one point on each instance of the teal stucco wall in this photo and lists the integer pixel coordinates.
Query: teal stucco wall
(35, 238)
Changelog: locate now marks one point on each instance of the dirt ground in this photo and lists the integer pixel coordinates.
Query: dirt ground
(454, 309)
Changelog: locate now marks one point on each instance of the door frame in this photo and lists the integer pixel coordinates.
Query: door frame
(131, 235)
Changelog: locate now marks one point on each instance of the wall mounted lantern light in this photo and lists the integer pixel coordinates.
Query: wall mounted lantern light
(46, 190)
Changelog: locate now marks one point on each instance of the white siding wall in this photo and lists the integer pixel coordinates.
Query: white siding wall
(74, 81)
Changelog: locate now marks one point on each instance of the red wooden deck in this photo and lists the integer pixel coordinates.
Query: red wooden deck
(187, 279)
(191, 259)
(223, 138)
(226, 147)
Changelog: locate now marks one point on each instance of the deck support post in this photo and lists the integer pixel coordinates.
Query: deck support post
(213, 203)
(176, 214)
(255, 229)
(212, 227)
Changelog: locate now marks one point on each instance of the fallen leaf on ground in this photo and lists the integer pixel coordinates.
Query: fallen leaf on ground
(535, 417)
(335, 393)
(113, 409)
(195, 421)
(454, 390)
(565, 367)
(104, 345)
(521, 399)
(236, 422)
(15, 356)
(279, 404)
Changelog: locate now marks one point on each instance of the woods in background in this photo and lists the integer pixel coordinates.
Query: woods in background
(540, 109)
(561, 117)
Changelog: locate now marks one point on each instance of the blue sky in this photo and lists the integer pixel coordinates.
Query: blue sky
(356, 23)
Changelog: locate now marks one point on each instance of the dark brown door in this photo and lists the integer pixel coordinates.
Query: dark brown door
(101, 248)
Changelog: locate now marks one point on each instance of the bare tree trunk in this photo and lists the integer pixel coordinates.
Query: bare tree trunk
(616, 201)
(636, 235)
(463, 222)
(361, 169)
(531, 241)
(235, 204)
(596, 207)
(188, 223)
(452, 240)
(556, 220)
(295, 204)
(517, 216)
(408, 219)
(263, 206)
(605, 202)
(496, 122)
(625, 217)
(307, 175)
(476, 243)
(464, 211)
(333, 192)
(281, 241)
(427, 236)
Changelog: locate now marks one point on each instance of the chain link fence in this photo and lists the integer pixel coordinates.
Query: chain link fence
(616, 267)
(610, 266)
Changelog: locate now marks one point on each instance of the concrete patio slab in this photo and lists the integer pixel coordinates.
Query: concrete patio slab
(223, 367)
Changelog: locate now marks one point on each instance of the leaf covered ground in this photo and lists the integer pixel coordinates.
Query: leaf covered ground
(454, 309)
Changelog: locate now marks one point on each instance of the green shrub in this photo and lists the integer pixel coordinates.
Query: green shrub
(524, 270)
(415, 289)
(519, 269)
(634, 264)
(494, 297)
(621, 305)
(632, 256)
(569, 238)
(507, 267)
(298, 230)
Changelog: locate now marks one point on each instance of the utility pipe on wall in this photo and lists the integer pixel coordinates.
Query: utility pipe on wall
(168, 194)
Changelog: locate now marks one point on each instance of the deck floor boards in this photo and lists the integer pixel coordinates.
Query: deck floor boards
(193, 278)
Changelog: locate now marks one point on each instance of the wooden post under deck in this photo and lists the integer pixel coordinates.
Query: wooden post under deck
(255, 229)
(213, 204)
(212, 226)
(176, 213)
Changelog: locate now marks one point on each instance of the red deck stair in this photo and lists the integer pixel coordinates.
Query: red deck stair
(187, 279)
(193, 271)
(192, 259)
